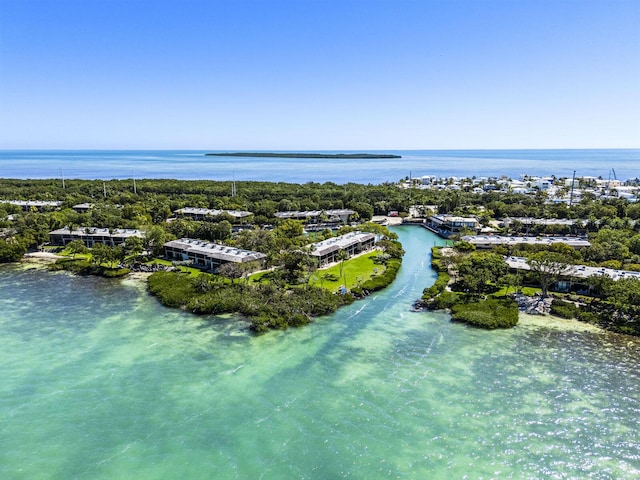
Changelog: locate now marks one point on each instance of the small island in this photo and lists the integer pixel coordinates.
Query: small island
(348, 156)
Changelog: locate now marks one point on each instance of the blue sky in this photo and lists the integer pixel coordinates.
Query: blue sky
(312, 74)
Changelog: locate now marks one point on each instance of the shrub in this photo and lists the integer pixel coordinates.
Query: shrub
(445, 300)
(266, 306)
(438, 287)
(115, 272)
(589, 317)
(383, 280)
(564, 309)
(491, 313)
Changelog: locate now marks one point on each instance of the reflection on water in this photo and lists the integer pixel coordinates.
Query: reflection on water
(99, 381)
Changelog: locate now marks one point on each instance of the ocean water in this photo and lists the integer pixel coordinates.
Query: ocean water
(613, 163)
(98, 381)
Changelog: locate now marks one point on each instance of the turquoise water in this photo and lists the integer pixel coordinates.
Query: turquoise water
(89, 164)
(99, 381)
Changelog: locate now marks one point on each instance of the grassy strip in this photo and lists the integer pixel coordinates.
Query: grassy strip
(354, 272)
(380, 281)
(528, 291)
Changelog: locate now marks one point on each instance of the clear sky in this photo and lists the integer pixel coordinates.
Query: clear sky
(319, 74)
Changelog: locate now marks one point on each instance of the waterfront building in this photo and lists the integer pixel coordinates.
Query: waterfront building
(207, 255)
(91, 235)
(448, 225)
(574, 276)
(352, 243)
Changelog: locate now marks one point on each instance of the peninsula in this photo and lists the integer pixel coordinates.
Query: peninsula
(304, 155)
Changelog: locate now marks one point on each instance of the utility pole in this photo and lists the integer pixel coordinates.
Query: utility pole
(104, 189)
(135, 191)
(573, 181)
(62, 175)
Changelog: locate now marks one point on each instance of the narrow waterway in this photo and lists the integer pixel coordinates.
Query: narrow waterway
(97, 380)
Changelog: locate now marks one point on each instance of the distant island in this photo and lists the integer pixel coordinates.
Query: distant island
(304, 155)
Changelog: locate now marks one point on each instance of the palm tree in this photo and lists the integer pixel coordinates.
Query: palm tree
(341, 256)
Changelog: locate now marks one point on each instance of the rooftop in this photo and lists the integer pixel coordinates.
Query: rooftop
(340, 243)
(93, 231)
(493, 240)
(214, 250)
(212, 212)
(580, 271)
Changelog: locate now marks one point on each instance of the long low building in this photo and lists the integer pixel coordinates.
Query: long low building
(353, 243)
(207, 255)
(91, 235)
(448, 225)
(541, 221)
(578, 271)
(27, 205)
(209, 214)
(491, 241)
(336, 215)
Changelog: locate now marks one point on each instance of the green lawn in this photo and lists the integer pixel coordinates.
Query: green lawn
(355, 271)
(190, 270)
(529, 291)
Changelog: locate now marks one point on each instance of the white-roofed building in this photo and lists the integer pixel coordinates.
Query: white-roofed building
(92, 235)
(326, 251)
(491, 241)
(207, 255)
(314, 216)
(27, 205)
(305, 216)
(448, 225)
(208, 213)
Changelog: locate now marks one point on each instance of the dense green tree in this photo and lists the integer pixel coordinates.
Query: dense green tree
(480, 272)
(154, 240)
(100, 254)
(11, 251)
(76, 246)
(634, 244)
(134, 245)
(296, 265)
(547, 267)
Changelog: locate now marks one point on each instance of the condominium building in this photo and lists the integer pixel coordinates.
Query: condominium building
(91, 235)
(207, 255)
(326, 251)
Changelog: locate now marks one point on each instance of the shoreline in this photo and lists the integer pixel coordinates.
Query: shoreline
(40, 257)
(559, 323)
(526, 320)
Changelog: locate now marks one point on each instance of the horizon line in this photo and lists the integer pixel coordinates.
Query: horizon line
(258, 150)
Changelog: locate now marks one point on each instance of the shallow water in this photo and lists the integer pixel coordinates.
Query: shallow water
(99, 381)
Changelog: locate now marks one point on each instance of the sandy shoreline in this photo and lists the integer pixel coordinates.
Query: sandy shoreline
(45, 258)
(559, 323)
(41, 257)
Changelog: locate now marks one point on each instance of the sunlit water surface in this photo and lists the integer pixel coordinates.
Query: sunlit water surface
(190, 164)
(97, 380)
